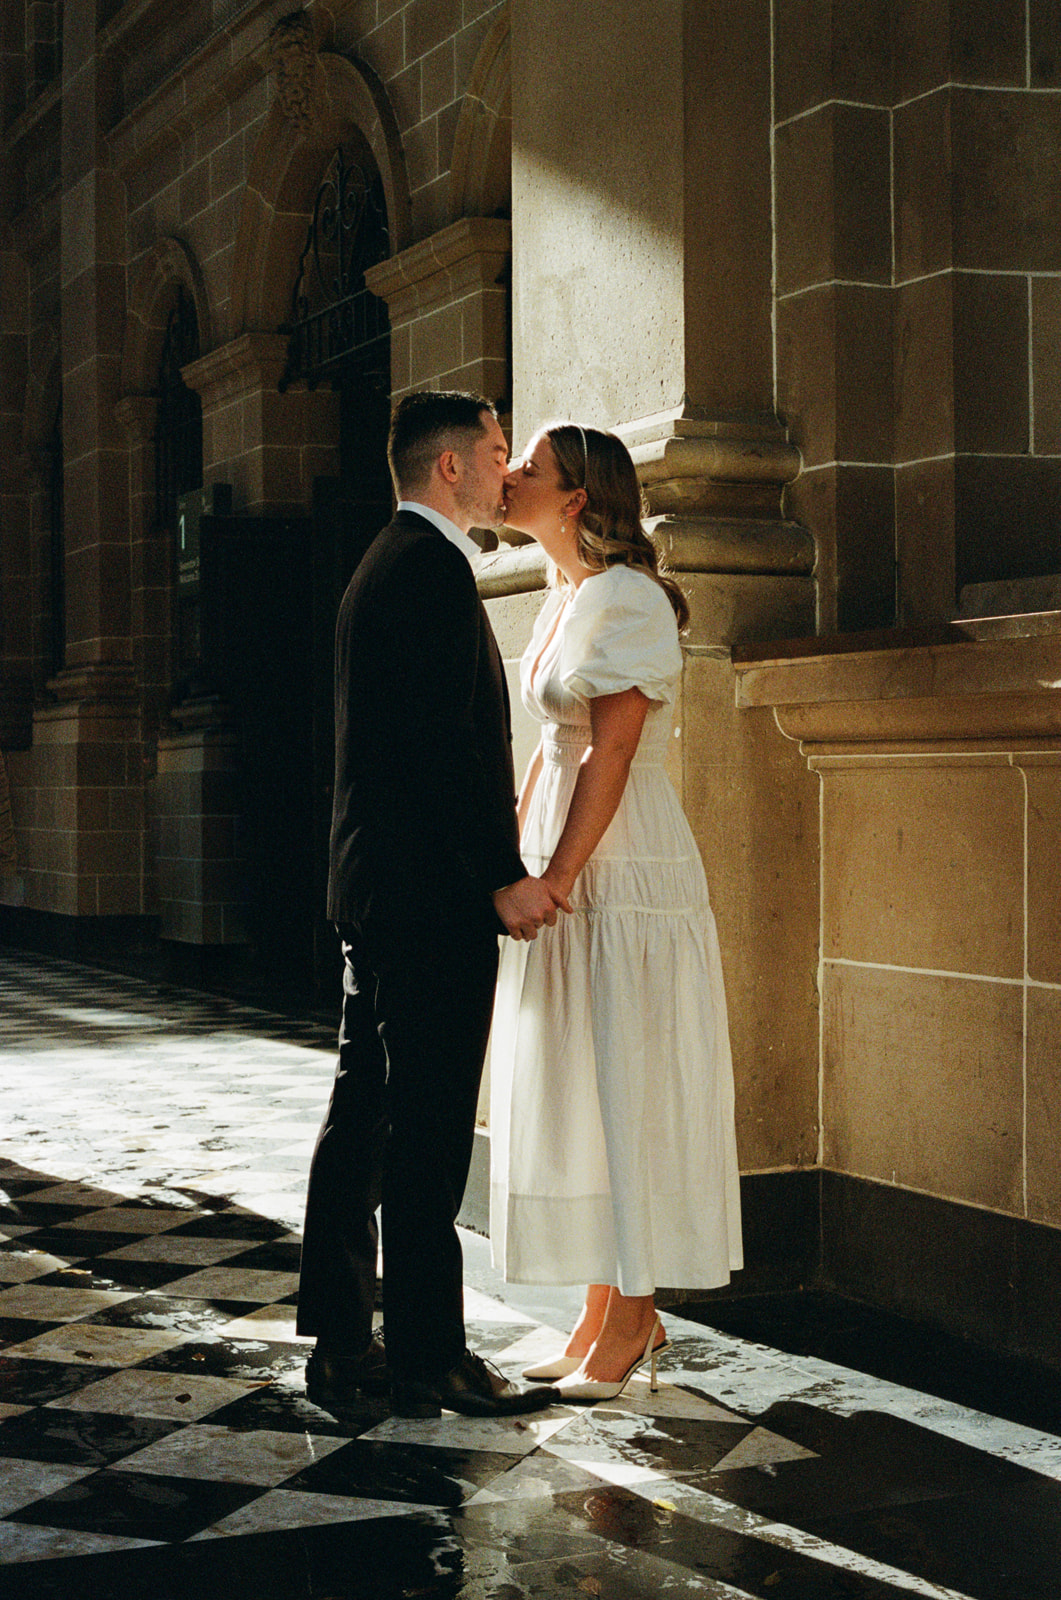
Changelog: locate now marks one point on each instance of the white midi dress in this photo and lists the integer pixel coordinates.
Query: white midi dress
(613, 1154)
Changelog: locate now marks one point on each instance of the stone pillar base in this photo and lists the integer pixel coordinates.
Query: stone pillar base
(202, 894)
(78, 797)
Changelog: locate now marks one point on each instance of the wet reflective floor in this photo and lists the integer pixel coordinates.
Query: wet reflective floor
(155, 1438)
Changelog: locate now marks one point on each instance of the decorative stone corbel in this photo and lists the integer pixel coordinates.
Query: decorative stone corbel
(300, 84)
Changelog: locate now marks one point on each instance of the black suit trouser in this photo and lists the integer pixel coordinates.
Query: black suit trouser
(398, 1134)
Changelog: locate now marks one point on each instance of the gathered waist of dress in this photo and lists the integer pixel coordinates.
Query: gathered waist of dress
(565, 745)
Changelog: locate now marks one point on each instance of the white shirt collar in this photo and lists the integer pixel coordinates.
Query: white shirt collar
(464, 543)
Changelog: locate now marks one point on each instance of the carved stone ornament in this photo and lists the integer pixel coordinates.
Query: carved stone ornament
(300, 87)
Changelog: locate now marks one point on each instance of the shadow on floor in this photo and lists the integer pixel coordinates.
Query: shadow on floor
(832, 1328)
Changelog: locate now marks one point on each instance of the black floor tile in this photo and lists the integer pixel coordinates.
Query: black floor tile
(272, 1257)
(78, 1438)
(390, 1558)
(40, 1213)
(28, 1244)
(228, 1225)
(139, 1274)
(75, 1244)
(138, 1505)
(255, 1360)
(378, 1470)
(172, 1314)
(684, 1448)
(285, 1409)
(86, 1276)
(15, 1330)
(31, 1382)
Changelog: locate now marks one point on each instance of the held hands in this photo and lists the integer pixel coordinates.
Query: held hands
(527, 905)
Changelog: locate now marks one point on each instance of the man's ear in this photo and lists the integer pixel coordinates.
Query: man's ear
(449, 466)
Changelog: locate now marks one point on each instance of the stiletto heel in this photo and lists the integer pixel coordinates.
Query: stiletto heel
(591, 1391)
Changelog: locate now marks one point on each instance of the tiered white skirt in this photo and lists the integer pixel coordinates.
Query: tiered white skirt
(613, 1152)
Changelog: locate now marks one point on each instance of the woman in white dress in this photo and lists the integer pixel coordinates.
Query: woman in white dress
(613, 1152)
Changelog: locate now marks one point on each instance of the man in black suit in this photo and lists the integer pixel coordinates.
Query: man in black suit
(425, 872)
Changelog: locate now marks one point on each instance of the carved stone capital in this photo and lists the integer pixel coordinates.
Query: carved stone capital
(301, 89)
(465, 258)
(251, 362)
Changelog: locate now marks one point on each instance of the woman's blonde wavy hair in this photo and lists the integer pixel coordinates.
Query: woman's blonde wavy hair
(610, 533)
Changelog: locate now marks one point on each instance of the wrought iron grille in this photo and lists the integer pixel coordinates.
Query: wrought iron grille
(179, 428)
(335, 318)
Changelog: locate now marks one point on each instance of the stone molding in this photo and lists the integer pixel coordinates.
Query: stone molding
(251, 362)
(690, 464)
(104, 688)
(927, 694)
(519, 570)
(465, 258)
(197, 720)
(736, 544)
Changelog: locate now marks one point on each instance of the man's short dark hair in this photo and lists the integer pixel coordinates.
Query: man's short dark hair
(426, 424)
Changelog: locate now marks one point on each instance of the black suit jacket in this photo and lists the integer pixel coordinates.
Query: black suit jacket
(423, 820)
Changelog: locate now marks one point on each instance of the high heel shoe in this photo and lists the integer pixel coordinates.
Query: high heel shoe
(549, 1371)
(591, 1391)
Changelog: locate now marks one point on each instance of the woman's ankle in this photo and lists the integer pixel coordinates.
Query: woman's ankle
(590, 1320)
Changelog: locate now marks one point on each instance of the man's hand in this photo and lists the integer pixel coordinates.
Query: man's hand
(526, 906)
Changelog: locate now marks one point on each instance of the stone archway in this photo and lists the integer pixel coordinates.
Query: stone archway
(481, 168)
(349, 106)
(165, 270)
(168, 272)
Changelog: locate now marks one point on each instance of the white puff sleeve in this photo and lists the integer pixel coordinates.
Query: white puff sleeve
(621, 633)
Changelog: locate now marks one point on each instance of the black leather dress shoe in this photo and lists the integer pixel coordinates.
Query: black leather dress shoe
(344, 1380)
(472, 1387)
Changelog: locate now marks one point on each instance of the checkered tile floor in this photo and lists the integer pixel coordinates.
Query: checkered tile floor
(155, 1440)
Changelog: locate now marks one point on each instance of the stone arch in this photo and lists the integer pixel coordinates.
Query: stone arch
(166, 269)
(481, 168)
(284, 175)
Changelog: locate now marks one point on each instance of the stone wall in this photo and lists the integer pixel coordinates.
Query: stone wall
(917, 151)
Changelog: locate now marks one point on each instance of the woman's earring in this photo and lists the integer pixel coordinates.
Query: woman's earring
(563, 524)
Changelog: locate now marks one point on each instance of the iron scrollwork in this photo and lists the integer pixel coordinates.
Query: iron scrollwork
(334, 317)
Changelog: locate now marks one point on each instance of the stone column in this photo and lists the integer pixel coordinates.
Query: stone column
(84, 776)
(17, 473)
(92, 271)
(641, 197)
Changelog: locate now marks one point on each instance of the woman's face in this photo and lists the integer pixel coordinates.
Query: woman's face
(535, 500)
